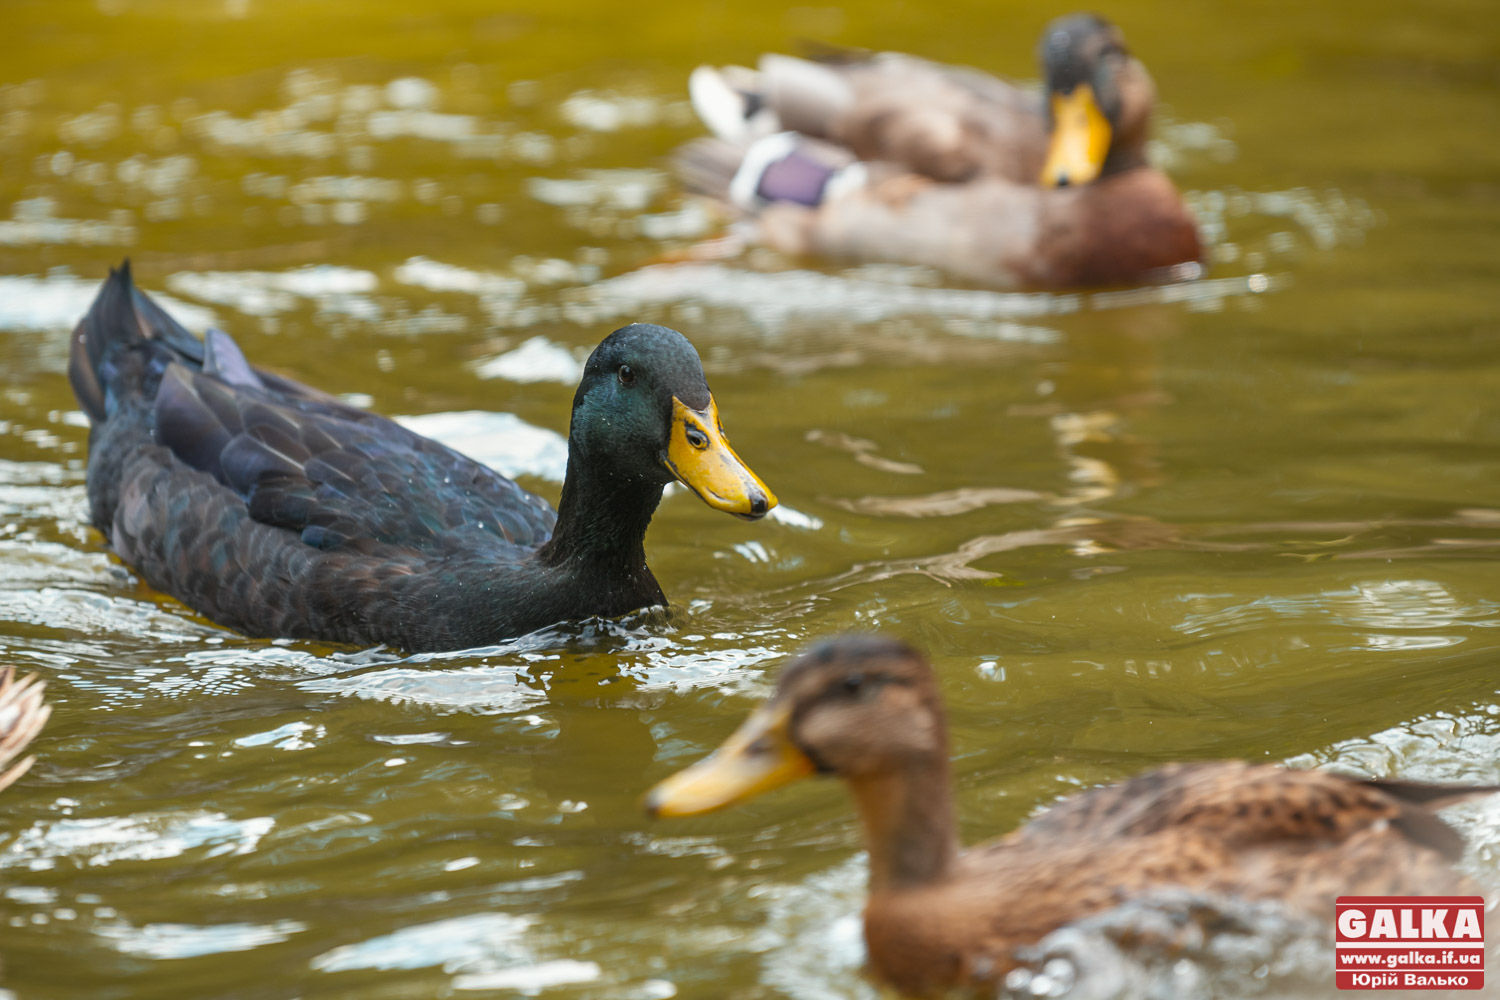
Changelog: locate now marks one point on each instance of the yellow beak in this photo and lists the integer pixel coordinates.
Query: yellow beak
(1080, 139)
(759, 756)
(699, 455)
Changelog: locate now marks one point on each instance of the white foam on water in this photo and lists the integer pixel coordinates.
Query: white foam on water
(624, 189)
(535, 360)
(440, 277)
(59, 300)
(102, 841)
(814, 935)
(292, 736)
(268, 293)
(775, 300)
(502, 441)
(169, 941)
(457, 942)
(531, 979)
(609, 111)
(486, 690)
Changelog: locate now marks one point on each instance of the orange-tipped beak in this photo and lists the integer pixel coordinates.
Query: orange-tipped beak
(1080, 139)
(699, 455)
(759, 756)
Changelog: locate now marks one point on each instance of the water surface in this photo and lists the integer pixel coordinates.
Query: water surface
(1253, 515)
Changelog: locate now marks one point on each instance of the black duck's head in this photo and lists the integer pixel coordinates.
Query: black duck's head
(1099, 98)
(858, 707)
(643, 412)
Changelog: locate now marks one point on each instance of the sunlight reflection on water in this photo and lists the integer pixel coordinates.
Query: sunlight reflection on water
(468, 819)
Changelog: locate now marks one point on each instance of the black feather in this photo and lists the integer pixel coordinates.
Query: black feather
(222, 357)
(186, 425)
(246, 462)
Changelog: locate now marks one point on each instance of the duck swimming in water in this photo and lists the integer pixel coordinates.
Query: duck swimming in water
(279, 510)
(938, 918)
(895, 158)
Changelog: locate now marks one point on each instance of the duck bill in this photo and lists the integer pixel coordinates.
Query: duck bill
(698, 454)
(1080, 139)
(760, 756)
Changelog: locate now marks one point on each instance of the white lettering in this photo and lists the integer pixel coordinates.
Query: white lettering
(1467, 925)
(1417, 979)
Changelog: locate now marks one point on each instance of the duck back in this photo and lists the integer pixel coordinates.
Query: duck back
(945, 122)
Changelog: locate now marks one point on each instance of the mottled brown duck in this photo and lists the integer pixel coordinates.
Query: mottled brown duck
(279, 510)
(22, 715)
(895, 158)
(939, 918)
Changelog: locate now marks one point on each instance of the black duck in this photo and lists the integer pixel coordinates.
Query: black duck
(279, 510)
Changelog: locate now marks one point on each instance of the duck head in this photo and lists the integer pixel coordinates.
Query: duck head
(859, 707)
(643, 412)
(1099, 100)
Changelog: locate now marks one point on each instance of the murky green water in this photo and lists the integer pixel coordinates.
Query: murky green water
(1256, 516)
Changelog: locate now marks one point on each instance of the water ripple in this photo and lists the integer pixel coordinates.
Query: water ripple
(1393, 609)
(97, 842)
(168, 941)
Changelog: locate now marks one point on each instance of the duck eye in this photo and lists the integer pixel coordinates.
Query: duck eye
(627, 377)
(853, 683)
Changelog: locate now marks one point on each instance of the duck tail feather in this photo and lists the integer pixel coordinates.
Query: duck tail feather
(728, 100)
(708, 166)
(120, 314)
(111, 317)
(1431, 796)
(1420, 823)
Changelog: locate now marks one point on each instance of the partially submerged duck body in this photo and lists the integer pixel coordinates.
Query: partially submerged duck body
(279, 510)
(22, 715)
(1120, 229)
(941, 918)
(896, 158)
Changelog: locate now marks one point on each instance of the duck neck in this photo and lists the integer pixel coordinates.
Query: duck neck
(909, 827)
(1123, 158)
(601, 519)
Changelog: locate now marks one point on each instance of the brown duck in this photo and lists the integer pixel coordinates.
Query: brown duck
(894, 158)
(938, 918)
(22, 715)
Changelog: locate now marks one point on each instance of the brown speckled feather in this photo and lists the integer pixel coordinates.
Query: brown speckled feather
(22, 715)
(1242, 830)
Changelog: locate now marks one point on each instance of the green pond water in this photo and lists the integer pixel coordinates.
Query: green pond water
(1257, 515)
